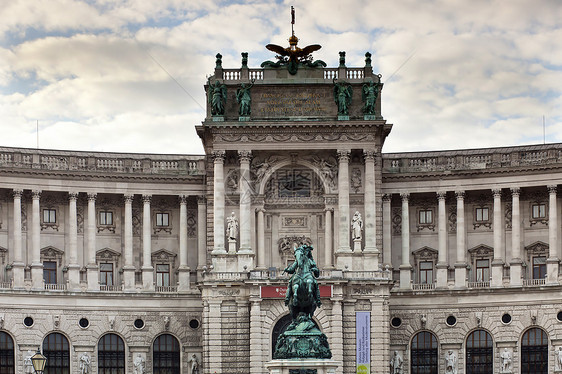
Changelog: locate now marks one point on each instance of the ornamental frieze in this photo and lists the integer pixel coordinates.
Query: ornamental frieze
(281, 138)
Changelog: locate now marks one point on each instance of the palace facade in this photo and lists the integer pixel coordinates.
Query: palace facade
(174, 263)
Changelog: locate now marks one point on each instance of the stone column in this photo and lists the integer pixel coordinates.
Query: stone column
(214, 337)
(552, 261)
(245, 203)
(387, 230)
(405, 267)
(73, 267)
(460, 265)
(343, 200)
(18, 265)
(336, 336)
(261, 238)
(128, 268)
(147, 268)
(92, 267)
(497, 262)
(328, 238)
(256, 336)
(183, 270)
(218, 203)
(442, 262)
(370, 203)
(201, 232)
(36, 264)
(516, 262)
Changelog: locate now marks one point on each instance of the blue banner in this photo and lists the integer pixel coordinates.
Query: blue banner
(363, 342)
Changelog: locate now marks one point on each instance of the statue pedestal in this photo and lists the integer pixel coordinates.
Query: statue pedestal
(302, 366)
(231, 246)
(357, 245)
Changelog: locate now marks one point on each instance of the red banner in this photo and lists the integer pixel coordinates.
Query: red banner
(279, 292)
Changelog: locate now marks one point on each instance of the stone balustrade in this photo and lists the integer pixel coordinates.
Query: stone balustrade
(23, 158)
(471, 159)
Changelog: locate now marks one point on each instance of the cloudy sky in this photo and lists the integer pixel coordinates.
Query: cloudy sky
(128, 75)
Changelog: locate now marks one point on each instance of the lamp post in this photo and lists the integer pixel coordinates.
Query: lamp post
(38, 361)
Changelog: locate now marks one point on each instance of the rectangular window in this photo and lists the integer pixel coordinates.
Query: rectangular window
(426, 272)
(426, 217)
(162, 220)
(49, 216)
(482, 270)
(538, 211)
(482, 215)
(106, 218)
(539, 267)
(106, 274)
(50, 272)
(162, 275)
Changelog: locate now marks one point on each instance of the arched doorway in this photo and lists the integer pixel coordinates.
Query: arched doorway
(111, 355)
(424, 354)
(166, 355)
(479, 353)
(57, 351)
(6, 354)
(534, 352)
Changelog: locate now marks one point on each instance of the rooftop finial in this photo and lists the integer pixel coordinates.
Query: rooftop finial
(292, 20)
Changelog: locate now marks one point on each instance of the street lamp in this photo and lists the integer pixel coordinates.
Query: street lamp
(38, 361)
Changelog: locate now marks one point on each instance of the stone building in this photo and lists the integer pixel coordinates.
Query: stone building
(144, 263)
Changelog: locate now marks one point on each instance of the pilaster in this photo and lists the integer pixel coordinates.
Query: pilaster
(552, 262)
(147, 269)
(405, 267)
(183, 270)
(442, 261)
(460, 265)
(128, 268)
(73, 266)
(516, 263)
(92, 270)
(37, 282)
(18, 264)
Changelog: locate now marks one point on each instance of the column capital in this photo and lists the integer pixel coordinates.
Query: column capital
(460, 195)
(146, 198)
(441, 195)
(387, 197)
(17, 192)
(36, 194)
(260, 209)
(245, 156)
(219, 156)
(369, 155)
(331, 210)
(497, 192)
(201, 200)
(128, 198)
(405, 196)
(183, 199)
(343, 155)
(72, 196)
(92, 196)
(515, 191)
(552, 189)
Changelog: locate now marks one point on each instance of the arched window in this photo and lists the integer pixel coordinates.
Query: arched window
(6, 354)
(424, 354)
(479, 353)
(534, 352)
(278, 329)
(111, 355)
(57, 351)
(166, 355)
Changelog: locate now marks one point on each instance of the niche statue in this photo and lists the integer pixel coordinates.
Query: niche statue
(302, 338)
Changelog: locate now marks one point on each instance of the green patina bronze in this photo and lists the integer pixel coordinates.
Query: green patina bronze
(370, 93)
(343, 93)
(217, 98)
(302, 339)
(244, 99)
